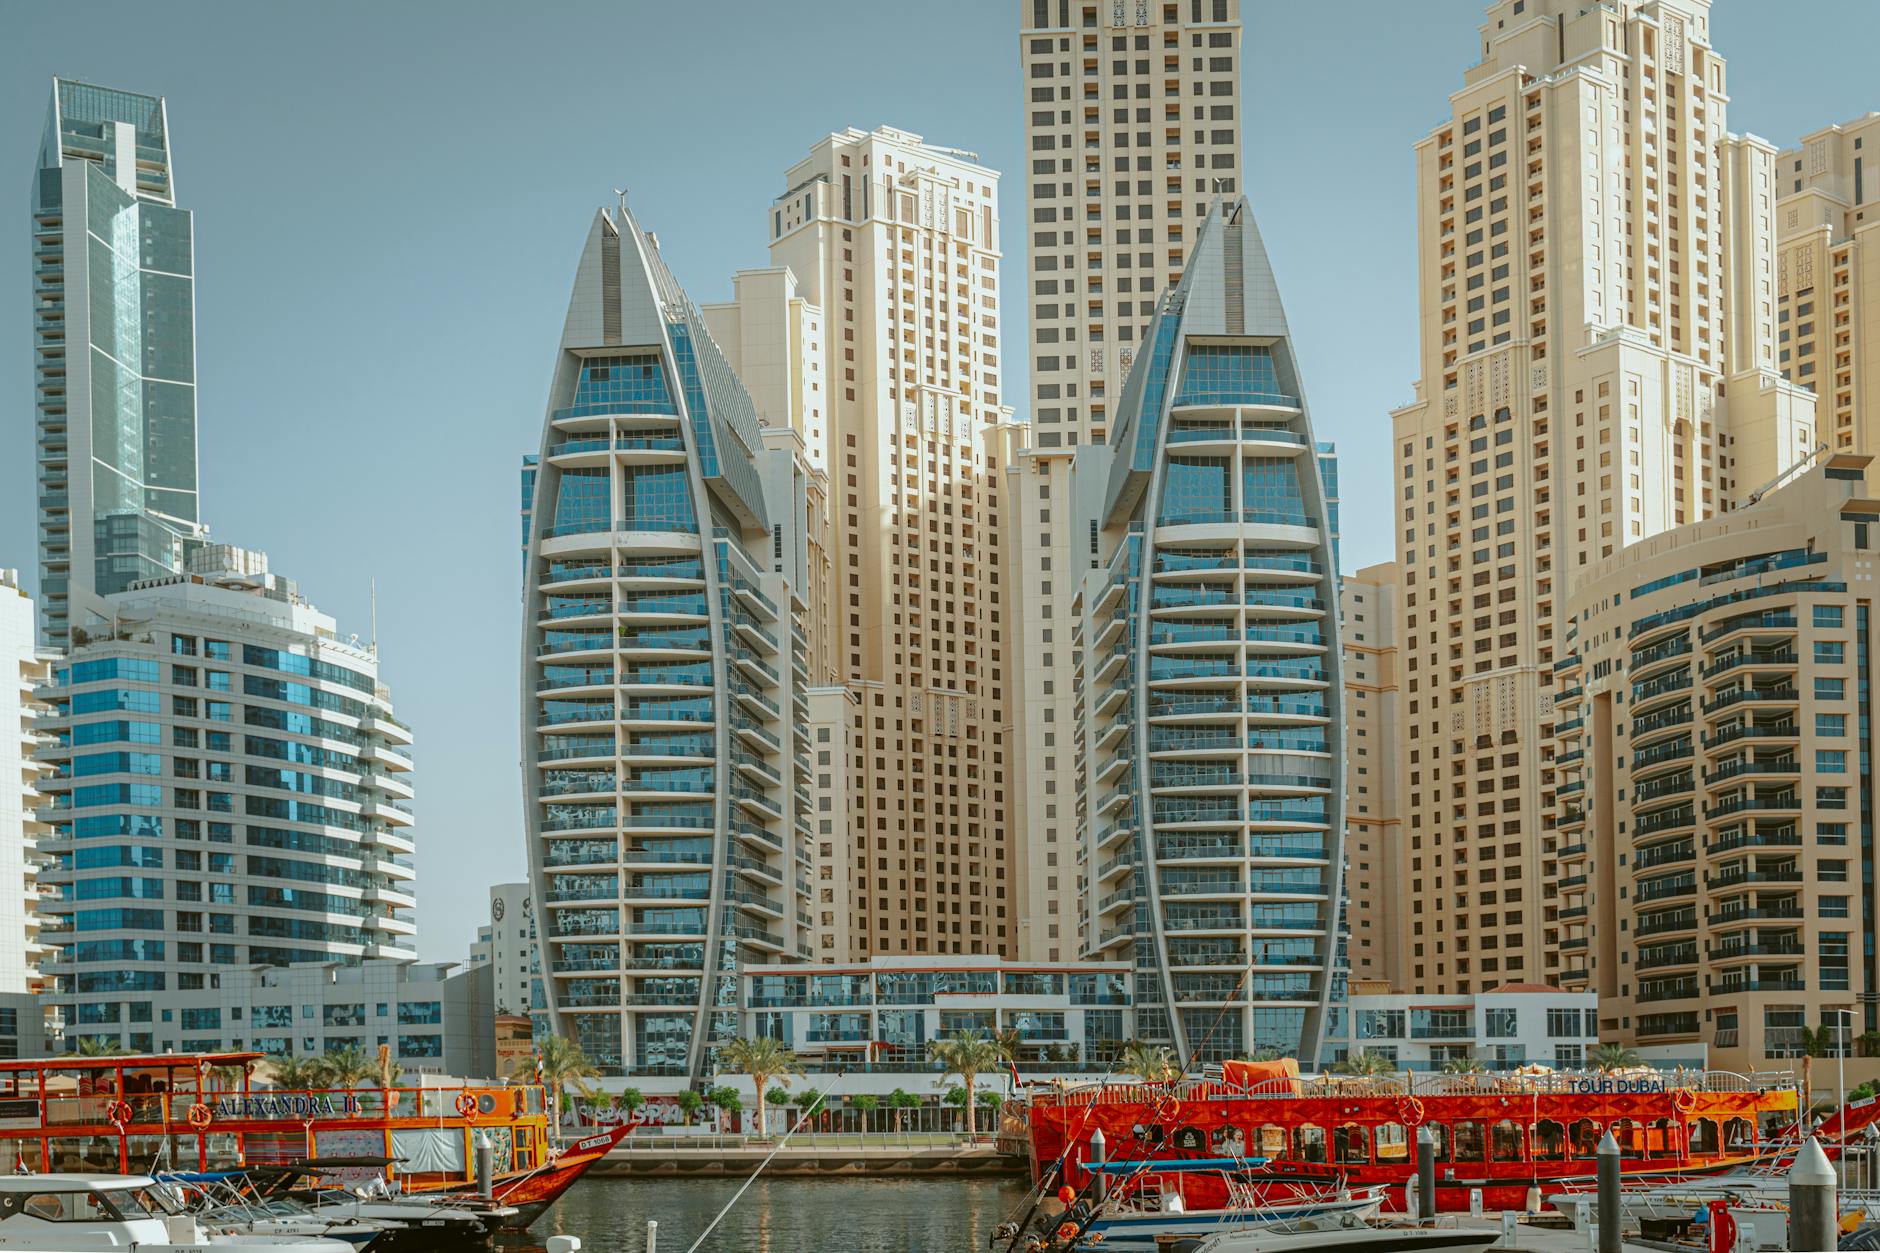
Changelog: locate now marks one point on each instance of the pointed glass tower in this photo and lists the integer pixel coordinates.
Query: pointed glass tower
(665, 846)
(1214, 710)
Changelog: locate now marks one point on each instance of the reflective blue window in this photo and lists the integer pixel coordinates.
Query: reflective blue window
(1196, 489)
(629, 384)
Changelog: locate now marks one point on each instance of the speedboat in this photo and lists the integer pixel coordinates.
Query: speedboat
(1149, 1205)
(73, 1212)
(225, 1203)
(1346, 1231)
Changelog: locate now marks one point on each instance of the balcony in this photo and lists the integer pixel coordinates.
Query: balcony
(1752, 695)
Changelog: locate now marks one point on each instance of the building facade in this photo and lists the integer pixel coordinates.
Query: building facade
(1502, 1028)
(883, 1012)
(1597, 344)
(24, 670)
(508, 945)
(1374, 830)
(229, 791)
(1132, 125)
(896, 242)
(665, 676)
(1828, 278)
(1212, 688)
(1724, 669)
(114, 354)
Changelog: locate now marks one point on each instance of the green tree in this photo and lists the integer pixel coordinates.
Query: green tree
(900, 1101)
(100, 1046)
(293, 1072)
(1367, 1064)
(1464, 1066)
(689, 1103)
(968, 1054)
(1152, 1063)
(228, 1078)
(628, 1101)
(345, 1068)
(808, 1100)
(727, 1099)
(1607, 1058)
(763, 1059)
(563, 1064)
(991, 1100)
(865, 1103)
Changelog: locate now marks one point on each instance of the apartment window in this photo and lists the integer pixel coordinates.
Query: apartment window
(1830, 689)
(1563, 1024)
(1830, 652)
(1827, 615)
(1830, 724)
(1830, 761)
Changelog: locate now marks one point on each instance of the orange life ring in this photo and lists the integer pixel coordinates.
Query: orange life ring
(466, 1105)
(1067, 1231)
(1682, 1099)
(1410, 1111)
(119, 1113)
(200, 1116)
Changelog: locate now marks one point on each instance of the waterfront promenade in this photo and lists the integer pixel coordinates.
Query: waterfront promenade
(813, 1155)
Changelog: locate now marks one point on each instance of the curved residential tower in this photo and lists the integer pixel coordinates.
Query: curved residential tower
(660, 677)
(1213, 695)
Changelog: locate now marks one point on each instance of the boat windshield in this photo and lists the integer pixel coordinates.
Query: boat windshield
(141, 1202)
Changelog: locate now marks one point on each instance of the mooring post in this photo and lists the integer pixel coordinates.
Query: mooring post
(1610, 1218)
(486, 1165)
(1813, 1215)
(1094, 1162)
(1426, 1174)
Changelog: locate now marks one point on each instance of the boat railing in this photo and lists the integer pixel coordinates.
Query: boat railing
(1643, 1080)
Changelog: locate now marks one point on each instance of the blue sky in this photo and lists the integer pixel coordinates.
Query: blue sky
(390, 199)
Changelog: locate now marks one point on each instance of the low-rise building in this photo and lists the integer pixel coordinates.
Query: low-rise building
(1515, 1024)
(885, 1011)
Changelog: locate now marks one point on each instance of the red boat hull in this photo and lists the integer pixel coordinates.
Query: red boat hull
(532, 1192)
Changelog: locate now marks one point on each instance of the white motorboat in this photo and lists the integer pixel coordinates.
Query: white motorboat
(1346, 1231)
(1149, 1204)
(77, 1213)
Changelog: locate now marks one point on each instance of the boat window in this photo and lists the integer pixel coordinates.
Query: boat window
(1661, 1139)
(1270, 1141)
(1738, 1133)
(1550, 1141)
(1468, 1146)
(1309, 1143)
(140, 1202)
(1584, 1138)
(65, 1207)
(1439, 1135)
(1353, 1144)
(1631, 1139)
(1504, 1141)
(1392, 1140)
(1704, 1136)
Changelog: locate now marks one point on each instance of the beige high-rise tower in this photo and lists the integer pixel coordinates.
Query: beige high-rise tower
(1374, 853)
(896, 242)
(1132, 126)
(1596, 263)
(1828, 278)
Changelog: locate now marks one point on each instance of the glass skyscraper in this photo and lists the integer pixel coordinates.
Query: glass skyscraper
(663, 679)
(114, 337)
(1213, 693)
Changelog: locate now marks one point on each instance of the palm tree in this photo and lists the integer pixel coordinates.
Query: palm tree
(1816, 1042)
(228, 1078)
(1464, 1066)
(293, 1072)
(99, 1046)
(1151, 1063)
(1367, 1064)
(763, 1059)
(558, 1064)
(346, 1068)
(967, 1054)
(1607, 1058)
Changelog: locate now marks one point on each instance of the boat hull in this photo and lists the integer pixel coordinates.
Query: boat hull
(531, 1193)
(1131, 1231)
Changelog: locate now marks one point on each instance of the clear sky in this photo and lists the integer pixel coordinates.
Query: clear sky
(390, 199)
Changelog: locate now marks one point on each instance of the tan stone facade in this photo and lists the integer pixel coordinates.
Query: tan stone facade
(1596, 265)
(896, 242)
(1712, 758)
(1374, 852)
(1132, 127)
(1828, 277)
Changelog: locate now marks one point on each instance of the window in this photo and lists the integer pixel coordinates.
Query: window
(1501, 1023)
(1563, 1024)
(1830, 652)
(1830, 761)
(1827, 615)
(1830, 724)
(1830, 689)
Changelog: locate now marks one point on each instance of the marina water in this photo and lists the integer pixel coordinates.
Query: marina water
(848, 1215)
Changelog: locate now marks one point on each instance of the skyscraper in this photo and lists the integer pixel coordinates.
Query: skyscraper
(1597, 344)
(1374, 840)
(114, 338)
(1132, 125)
(1213, 699)
(1828, 277)
(230, 791)
(664, 666)
(896, 242)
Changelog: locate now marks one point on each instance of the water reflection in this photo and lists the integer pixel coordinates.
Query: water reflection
(781, 1215)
